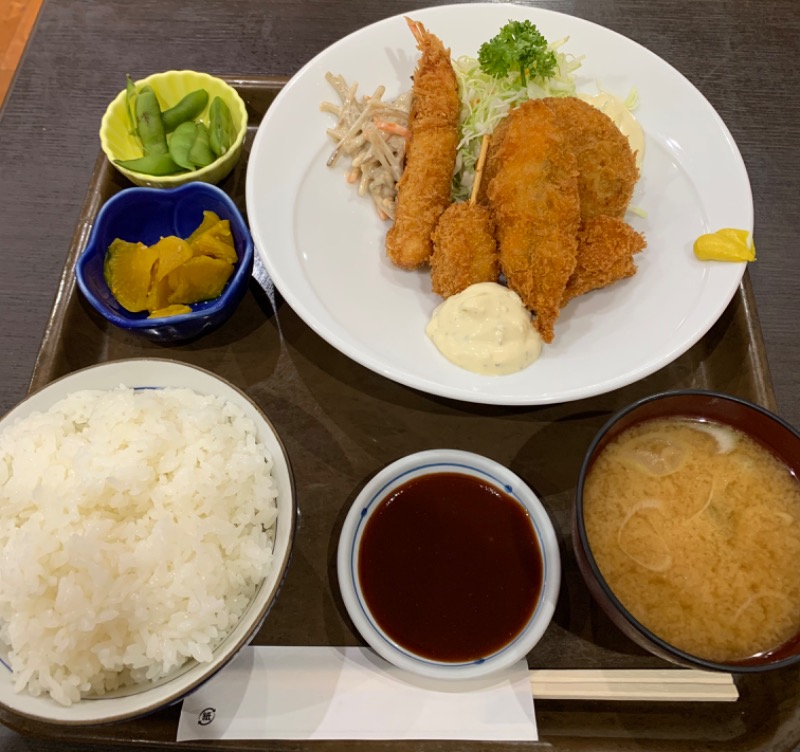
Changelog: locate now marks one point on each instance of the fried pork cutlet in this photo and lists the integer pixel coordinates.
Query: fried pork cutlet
(423, 191)
(606, 246)
(464, 249)
(533, 195)
(606, 164)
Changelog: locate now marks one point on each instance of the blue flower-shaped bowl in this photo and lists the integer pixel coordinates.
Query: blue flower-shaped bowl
(146, 215)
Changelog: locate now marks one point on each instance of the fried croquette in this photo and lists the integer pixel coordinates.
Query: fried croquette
(606, 164)
(464, 249)
(533, 194)
(606, 246)
(423, 191)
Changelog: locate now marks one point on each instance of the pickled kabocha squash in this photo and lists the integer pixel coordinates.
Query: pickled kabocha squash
(165, 278)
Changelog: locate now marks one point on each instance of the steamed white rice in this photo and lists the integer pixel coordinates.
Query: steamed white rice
(135, 528)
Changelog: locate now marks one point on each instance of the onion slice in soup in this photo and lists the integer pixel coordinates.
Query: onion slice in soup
(758, 596)
(653, 555)
(724, 436)
(654, 456)
(706, 503)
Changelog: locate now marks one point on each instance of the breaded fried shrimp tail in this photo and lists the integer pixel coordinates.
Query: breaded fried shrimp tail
(423, 192)
(534, 197)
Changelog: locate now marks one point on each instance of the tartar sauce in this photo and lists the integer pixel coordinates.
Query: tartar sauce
(485, 329)
(618, 111)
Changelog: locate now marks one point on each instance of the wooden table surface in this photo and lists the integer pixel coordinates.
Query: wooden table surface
(741, 54)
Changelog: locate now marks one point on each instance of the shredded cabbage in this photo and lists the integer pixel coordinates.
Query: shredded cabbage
(632, 100)
(485, 100)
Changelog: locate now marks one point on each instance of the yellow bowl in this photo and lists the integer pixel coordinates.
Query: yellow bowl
(170, 87)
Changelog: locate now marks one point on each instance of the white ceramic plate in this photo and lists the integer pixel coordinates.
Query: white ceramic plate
(323, 245)
(130, 702)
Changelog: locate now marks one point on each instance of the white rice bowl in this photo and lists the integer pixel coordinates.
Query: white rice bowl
(145, 533)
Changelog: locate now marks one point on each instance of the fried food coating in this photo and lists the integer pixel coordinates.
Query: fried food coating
(534, 197)
(423, 191)
(606, 163)
(464, 249)
(606, 246)
(491, 166)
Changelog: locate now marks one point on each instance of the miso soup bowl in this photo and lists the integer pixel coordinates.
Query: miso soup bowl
(765, 427)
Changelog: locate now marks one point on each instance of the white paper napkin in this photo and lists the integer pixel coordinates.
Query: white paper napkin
(351, 693)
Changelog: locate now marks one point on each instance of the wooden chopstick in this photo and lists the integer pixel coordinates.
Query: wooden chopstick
(675, 685)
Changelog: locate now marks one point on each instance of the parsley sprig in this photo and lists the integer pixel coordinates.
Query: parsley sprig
(519, 46)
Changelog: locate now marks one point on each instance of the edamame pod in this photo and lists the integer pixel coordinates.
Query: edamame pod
(180, 143)
(200, 154)
(148, 121)
(152, 164)
(221, 130)
(130, 102)
(187, 109)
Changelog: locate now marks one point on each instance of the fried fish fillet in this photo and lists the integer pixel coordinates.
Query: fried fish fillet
(606, 163)
(533, 194)
(423, 191)
(606, 246)
(491, 165)
(464, 249)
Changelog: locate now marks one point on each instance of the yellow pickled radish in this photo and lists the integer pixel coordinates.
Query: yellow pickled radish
(727, 244)
(172, 310)
(216, 241)
(172, 251)
(164, 278)
(128, 269)
(200, 278)
(209, 220)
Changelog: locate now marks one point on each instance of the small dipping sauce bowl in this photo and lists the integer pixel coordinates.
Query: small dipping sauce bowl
(448, 565)
(767, 429)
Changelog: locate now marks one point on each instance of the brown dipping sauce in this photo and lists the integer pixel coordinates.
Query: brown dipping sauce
(450, 567)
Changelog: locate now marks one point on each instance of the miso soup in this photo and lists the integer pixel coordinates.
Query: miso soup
(696, 528)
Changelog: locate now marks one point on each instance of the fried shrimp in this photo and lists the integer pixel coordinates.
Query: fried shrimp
(606, 246)
(533, 195)
(423, 192)
(607, 166)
